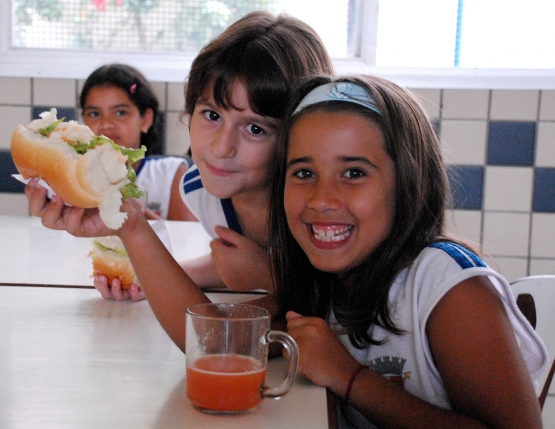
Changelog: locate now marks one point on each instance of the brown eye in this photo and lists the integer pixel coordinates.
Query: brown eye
(354, 173)
(304, 174)
(255, 129)
(211, 115)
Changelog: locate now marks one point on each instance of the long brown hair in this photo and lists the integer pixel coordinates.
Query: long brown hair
(267, 54)
(360, 297)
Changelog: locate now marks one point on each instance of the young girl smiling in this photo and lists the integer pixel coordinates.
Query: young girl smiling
(405, 324)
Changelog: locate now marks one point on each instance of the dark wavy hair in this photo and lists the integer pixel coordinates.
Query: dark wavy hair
(267, 54)
(360, 297)
(125, 77)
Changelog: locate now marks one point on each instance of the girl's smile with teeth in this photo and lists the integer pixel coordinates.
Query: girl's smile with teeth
(333, 233)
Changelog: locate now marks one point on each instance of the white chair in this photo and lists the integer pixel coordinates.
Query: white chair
(535, 297)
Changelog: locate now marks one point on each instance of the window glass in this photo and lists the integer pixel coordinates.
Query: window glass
(333, 20)
(160, 25)
(416, 33)
(125, 25)
(466, 33)
(508, 34)
(424, 33)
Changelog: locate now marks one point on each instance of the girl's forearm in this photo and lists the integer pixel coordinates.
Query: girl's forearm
(389, 406)
(168, 289)
(202, 271)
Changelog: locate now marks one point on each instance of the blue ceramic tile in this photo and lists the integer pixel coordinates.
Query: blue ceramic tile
(544, 190)
(7, 168)
(63, 112)
(467, 186)
(511, 143)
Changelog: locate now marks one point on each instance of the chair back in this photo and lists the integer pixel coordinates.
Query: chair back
(535, 296)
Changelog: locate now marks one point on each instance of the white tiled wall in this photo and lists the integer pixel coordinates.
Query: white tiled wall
(54, 92)
(465, 104)
(464, 141)
(15, 91)
(519, 241)
(545, 146)
(514, 105)
(11, 116)
(547, 106)
(508, 188)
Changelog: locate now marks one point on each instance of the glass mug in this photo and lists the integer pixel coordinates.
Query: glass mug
(227, 357)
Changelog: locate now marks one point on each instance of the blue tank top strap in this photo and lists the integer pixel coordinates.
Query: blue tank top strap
(192, 181)
(230, 216)
(142, 164)
(464, 257)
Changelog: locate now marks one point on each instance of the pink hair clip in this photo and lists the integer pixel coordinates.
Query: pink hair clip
(133, 88)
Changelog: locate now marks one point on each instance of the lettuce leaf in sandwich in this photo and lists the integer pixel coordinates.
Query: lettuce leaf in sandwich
(130, 190)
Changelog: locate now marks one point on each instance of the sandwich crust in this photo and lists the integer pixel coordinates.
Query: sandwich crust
(56, 162)
(114, 268)
(112, 264)
(88, 180)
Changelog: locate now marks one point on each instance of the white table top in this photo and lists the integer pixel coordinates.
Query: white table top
(33, 254)
(70, 359)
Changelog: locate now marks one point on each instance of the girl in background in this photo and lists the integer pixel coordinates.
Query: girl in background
(118, 102)
(405, 324)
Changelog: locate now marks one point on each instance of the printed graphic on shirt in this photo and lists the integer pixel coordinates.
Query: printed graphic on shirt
(155, 206)
(391, 367)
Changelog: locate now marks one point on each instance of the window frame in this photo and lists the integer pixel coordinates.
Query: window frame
(169, 67)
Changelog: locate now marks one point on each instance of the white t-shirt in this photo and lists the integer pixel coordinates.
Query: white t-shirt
(207, 208)
(155, 176)
(406, 359)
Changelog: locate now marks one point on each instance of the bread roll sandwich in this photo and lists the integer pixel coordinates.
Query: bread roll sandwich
(110, 258)
(83, 169)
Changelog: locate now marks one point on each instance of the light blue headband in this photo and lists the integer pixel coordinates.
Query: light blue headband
(338, 91)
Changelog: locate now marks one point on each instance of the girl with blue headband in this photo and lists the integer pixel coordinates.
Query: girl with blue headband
(404, 323)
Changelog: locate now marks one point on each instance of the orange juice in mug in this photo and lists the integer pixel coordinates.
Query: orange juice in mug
(227, 355)
(239, 376)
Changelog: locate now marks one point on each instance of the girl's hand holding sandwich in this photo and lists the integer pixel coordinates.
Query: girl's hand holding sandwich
(114, 276)
(75, 220)
(115, 291)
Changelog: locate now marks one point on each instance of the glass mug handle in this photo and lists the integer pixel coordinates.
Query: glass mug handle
(292, 361)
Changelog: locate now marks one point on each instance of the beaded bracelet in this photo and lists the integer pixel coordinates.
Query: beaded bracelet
(351, 381)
